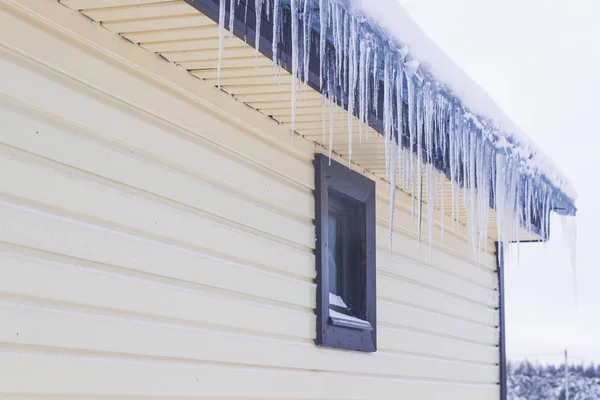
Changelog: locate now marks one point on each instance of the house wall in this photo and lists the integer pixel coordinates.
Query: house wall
(156, 240)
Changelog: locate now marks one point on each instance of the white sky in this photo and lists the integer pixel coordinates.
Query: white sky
(540, 61)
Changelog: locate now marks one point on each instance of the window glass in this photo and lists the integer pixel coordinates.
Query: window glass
(333, 255)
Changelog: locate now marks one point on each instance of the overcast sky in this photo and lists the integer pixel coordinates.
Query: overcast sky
(540, 61)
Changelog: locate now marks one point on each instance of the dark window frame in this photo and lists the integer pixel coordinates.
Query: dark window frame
(331, 176)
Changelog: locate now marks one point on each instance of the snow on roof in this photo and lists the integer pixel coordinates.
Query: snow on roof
(395, 22)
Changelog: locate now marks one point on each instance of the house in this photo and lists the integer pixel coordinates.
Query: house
(183, 219)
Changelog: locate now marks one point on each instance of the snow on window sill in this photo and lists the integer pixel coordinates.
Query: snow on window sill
(339, 319)
(336, 300)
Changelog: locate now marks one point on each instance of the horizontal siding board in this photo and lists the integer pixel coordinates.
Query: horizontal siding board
(81, 331)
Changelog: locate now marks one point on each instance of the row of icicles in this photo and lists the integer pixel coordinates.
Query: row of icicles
(427, 132)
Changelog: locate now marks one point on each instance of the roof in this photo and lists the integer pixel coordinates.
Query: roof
(444, 121)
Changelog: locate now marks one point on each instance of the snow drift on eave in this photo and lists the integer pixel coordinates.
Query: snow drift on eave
(433, 117)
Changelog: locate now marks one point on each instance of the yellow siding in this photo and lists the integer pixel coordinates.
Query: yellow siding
(157, 242)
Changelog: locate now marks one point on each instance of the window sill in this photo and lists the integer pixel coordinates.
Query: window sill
(346, 321)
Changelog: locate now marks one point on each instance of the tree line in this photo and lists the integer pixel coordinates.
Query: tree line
(529, 381)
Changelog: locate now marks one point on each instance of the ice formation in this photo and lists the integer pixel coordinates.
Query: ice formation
(368, 69)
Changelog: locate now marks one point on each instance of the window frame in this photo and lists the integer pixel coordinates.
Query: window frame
(333, 176)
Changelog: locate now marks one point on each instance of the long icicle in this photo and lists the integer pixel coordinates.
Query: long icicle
(322, 37)
(258, 9)
(393, 182)
(221, 39)
(231, 19)
(275, 41)
(306, 31)
(294, 7)
(352, 75)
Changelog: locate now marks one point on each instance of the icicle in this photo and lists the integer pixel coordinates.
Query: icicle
(345, 54)
(258, 8)
(323, 35)
(275, 44)
(307, 33)
(231, 19)
(367, 84)
(429, 174)
(387, 113)
(331, 121)
(352, 78)
(246, 19)
(338, 37)
(499, 194)
(431, 201)
(400, 162)
(294, 60)
(393, 169)
(420, 122)
(399, 103)
(569, 228)
(221, 38)
(442, 205)
(361, 86)
(375, 85)
(483, 190)
(406, 173)
(470, 197)
(452, 162)
(528, 204)
(411, 134)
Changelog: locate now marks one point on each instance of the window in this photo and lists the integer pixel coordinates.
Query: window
(345, 253)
